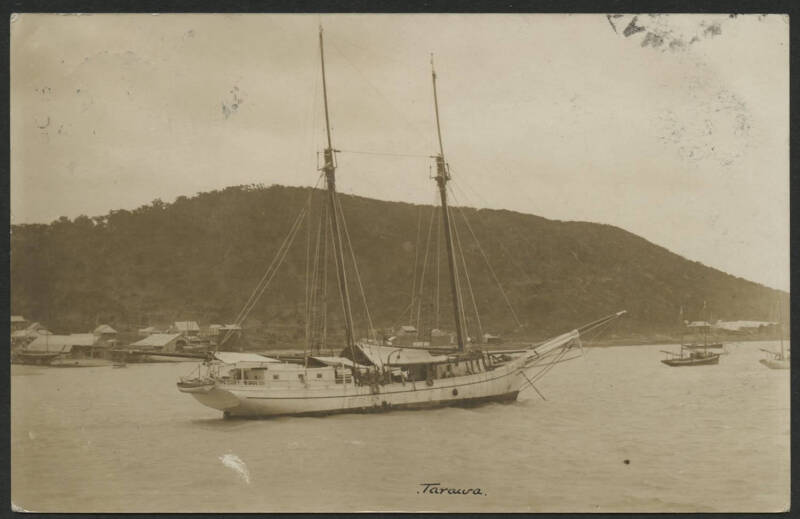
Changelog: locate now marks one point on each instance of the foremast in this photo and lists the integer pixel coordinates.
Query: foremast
(442, 176)
(329, 168)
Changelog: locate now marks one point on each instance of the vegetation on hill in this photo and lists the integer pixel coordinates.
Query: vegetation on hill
(200, 257)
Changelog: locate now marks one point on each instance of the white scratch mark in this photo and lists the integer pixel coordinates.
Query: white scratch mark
(235, 463)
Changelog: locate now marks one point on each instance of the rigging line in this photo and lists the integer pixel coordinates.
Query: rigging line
(308, 275)
(424, 269)
(371, 330)
(502, 246)
(531, 385)
(269, 275)
(385, 153)
(416, 260)
(460, 294)
(402, 316)
(298, 219)
(458, 185)
(601, 329)
(292, 233)
(541, 373)
(401, 113)
(328, 241)
(469, 284)
(311, 314)
(438, 269)
(283, 255)
(488, 264)
(320, 275)
(271, 265)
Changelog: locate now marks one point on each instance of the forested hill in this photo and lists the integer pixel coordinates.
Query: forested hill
(199, 258)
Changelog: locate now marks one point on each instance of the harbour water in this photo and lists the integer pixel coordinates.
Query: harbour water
(619, 432)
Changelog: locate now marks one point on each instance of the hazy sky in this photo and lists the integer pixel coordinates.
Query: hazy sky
(673, 127)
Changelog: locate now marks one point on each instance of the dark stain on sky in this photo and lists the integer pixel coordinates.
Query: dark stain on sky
(660, 35)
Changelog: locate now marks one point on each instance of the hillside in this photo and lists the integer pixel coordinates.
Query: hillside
(199, 258)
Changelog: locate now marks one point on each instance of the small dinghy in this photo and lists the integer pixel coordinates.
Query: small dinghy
(196, 385)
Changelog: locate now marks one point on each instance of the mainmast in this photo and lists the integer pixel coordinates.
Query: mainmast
(442, 176)
(329, 168)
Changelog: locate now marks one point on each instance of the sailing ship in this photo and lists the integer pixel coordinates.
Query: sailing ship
(690, 358)
(693, 354)
(705, 344)
(372, 374)
(777, 359)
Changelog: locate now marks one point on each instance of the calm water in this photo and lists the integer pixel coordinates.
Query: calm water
(697, 439)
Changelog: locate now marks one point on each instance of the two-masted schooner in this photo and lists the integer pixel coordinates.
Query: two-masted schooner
(372, 374)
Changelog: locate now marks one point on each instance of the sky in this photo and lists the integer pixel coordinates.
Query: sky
(673, 127)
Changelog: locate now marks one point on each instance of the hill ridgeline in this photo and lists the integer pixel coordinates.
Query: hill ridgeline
(199, 258)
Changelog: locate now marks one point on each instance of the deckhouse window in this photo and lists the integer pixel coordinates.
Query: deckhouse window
(276, 377)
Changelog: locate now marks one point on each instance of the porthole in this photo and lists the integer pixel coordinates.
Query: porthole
(455, 392)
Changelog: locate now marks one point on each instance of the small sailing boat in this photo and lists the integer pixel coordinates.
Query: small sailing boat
(690, 358)
(370, 374)
(697, 344)
(693, 354)
(777, 359)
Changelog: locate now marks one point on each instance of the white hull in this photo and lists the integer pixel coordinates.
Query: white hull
(776, 363)
(245, 400)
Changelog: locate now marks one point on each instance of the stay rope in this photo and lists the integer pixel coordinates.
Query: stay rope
(486, 260)
(355, 268)
(271, 270)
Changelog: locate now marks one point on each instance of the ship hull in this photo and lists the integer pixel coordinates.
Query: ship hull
(236, 400)
(681, 363)
(776, 363)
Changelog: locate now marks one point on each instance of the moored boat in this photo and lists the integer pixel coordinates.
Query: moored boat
(777, 362)
(695, 358)
(778, 359)
(694, 353)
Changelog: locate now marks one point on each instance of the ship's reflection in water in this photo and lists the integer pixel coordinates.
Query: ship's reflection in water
(703, 439)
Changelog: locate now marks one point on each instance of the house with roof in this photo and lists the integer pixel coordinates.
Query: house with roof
(745, 327)
(150, 330)
(106, 332)
(75, 345)
(161, 342)
(188, 328)
(697, 324)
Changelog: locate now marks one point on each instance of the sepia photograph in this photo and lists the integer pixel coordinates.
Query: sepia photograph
(355, 263)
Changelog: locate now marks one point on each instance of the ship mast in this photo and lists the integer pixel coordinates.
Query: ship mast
(442, 176)
(329, 168)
